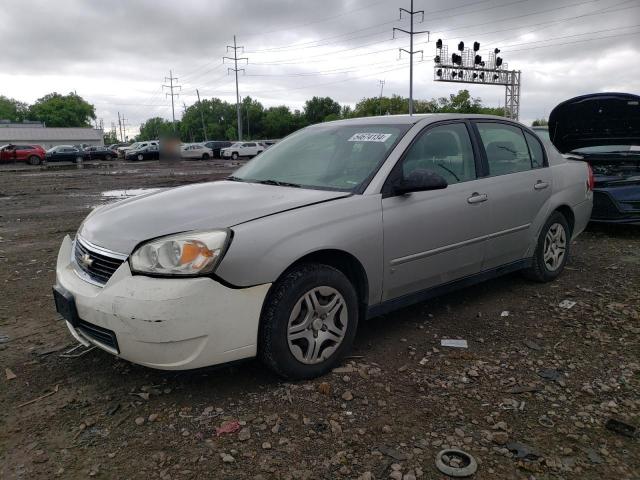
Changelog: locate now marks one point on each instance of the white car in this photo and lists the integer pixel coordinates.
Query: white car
(196, 150)
(242, 149)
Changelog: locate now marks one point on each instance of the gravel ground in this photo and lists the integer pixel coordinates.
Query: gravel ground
(529, 397)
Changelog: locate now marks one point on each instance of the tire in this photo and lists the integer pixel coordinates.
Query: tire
(78, 160)
(140, 157)
(317, 343)
(552, 250)
(107, 158)
(34, 160)
(234, 155)
(205, 156)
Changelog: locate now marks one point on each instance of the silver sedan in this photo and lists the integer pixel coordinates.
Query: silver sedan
(339, 222)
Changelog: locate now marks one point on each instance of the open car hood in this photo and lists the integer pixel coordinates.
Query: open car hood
(595, 119)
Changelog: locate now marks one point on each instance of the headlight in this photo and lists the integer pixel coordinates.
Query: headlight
(189, 253)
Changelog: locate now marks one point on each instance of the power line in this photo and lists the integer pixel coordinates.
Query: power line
(411, 52)
(171, 86)
(235, 69)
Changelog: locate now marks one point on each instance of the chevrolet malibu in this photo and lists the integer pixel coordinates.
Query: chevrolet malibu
(339, 222)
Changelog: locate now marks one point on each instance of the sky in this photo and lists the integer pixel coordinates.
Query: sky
(116, 54)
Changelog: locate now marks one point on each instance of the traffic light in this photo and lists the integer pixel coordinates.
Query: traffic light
(461, 46)
(456, 59)
(439, 43)
(477, 60)
(476, 46)
(498, 61)
(436, 59)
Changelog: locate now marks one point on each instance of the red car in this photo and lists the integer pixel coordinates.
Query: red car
(32, 154)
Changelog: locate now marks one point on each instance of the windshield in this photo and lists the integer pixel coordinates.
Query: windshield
(335, 157)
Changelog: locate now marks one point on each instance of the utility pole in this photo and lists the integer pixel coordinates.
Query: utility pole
(380, 100)
(124, 126)
(171, 87)
(120, 127)
(235, 69)
(204, 130)
(248, 132)
(411, 32)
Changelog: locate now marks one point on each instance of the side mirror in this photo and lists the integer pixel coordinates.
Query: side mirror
(419, 181)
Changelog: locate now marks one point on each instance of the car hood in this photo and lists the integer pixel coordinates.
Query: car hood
(121, 226)
(596, 119)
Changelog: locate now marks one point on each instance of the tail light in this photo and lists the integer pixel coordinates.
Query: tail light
(591, 182)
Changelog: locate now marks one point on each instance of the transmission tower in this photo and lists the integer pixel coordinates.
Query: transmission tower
(411, 32)
(235, 69)
(171, 87)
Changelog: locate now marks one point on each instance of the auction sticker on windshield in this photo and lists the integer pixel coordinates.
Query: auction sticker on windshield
(369, 137)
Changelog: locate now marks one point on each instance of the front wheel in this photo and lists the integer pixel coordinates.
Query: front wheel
(34, 160)
(552, 250)
(78, 160)
(205, 156)
(140, 157)
(234, 155)
(309, 322)
(107, 158)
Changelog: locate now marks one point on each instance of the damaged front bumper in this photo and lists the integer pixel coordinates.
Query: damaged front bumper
(164, 323)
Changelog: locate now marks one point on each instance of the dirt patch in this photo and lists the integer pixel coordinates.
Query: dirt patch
(529, 397)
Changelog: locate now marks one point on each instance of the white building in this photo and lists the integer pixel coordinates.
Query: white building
(46, 137)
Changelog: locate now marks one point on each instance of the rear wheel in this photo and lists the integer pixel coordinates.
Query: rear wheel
(140, 157)
(309, 322)
(205, 156)
(34, 160)
(78, 159)
(234, 155)
(107, 157)
(552, 250)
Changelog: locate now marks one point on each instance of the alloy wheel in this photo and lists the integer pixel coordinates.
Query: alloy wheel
(555, 246)
(317, 325)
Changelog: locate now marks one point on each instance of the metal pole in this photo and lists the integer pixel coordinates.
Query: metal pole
(411, 63)
(204, 130)
(173, 113)
(235, 58)
(380, 99)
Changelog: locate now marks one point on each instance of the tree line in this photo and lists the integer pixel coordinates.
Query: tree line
(54, 109)
(258, 122)
(220, 119)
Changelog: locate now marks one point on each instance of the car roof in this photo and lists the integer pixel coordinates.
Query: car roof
(411, 119)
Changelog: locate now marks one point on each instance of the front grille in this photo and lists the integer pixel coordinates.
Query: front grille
(603, 206)
(102, 335)
(97, 265)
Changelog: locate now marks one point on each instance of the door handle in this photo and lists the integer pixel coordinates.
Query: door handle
(540, 185)
(477, 198)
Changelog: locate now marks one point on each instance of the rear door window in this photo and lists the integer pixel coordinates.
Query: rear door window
(506, 149)
(536, 151)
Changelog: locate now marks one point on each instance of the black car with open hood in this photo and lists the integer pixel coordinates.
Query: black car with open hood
(604, 130)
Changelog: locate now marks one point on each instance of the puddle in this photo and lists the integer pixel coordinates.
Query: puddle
(131, 192)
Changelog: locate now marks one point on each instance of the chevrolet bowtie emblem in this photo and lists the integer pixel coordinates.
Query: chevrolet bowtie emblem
(86, 260)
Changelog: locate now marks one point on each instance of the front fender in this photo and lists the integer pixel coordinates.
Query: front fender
(264, 248)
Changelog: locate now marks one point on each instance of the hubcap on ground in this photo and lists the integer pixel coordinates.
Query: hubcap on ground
(317, 325)
(555, 246)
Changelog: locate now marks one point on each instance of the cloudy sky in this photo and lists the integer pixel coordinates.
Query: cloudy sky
(117, 53)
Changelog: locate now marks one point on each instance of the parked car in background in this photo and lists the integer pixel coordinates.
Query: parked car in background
(115, 146)
(99, 153)
(195, 150)
(216, 146)
(145, 151)
(65, 153)
(603, 129)
(242, 149)
(31, 154)
(136, 146)
(338, 222)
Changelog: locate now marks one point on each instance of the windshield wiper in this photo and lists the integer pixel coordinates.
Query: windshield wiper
(279, 183)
